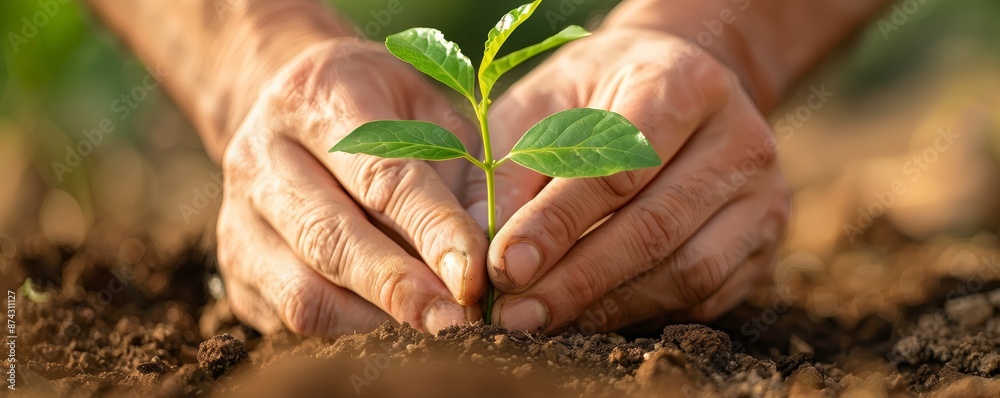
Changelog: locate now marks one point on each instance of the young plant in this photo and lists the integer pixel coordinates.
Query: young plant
(29, 292)
(570, 144)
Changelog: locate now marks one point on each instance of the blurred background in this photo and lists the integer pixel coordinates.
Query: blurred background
(895, 172)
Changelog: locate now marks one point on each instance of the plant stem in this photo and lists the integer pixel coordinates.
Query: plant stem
(491, 205)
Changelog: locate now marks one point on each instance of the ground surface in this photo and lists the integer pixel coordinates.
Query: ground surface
(100, 334)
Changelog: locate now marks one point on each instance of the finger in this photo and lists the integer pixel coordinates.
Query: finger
(747, 278)
(668, 108)
(409, 198)
(524, 105)
(297, 197)
(268, 287)
(644, 233)
(713, 272)
(609, 313)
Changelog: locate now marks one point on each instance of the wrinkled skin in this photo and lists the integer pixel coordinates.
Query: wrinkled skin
(318, 242)
(685, 240)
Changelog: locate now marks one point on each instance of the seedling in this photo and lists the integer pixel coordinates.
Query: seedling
(29, 291)
(574, 143)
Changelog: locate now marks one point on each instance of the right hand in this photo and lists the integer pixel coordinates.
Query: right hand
(318, 242)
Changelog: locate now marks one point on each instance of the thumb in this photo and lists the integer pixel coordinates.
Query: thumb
(514, 113)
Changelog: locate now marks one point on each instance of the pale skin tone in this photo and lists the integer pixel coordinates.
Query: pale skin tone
(326, 244)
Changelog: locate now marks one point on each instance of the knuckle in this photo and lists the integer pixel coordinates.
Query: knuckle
(268, 193)
(319, 238)
(238, 161)
(643, 70)
(390, 298)
(673, 98)
(383, 181)
(760, 145)
(228, 245)
(620, 187)
(560, 223)
(300, 308)
(295, 310)
(248, 306)
(715, 79)
(696, 281)
(226, 258)
(665, 221)
(685, 104)
(447, 220)
(584, 284)
(697, 193)
(659, 226)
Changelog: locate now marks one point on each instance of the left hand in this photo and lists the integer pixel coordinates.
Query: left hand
(686, 239)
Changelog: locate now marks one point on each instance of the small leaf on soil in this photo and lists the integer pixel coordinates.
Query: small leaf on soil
(584, 142)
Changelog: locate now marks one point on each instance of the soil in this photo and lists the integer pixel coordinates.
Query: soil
(109, 332)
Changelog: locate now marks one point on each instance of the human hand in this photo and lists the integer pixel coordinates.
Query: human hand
(318, 242)
(688, 238)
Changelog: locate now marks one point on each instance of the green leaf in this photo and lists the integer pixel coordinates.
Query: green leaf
(402, 139)
(584, 142)
(502, 30)
(29, 291)
(489, 76)
(428, 51)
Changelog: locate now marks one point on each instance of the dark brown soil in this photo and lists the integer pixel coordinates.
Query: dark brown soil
(94, 337)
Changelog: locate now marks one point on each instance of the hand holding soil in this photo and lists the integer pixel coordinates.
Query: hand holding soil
(689, 237)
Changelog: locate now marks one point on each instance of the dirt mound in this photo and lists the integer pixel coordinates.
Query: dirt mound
(147, 338)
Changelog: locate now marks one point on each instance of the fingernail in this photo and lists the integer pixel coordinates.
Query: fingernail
(480, 213)
(524, 314)
(441, 314)
(453, 266)
(522, 260)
